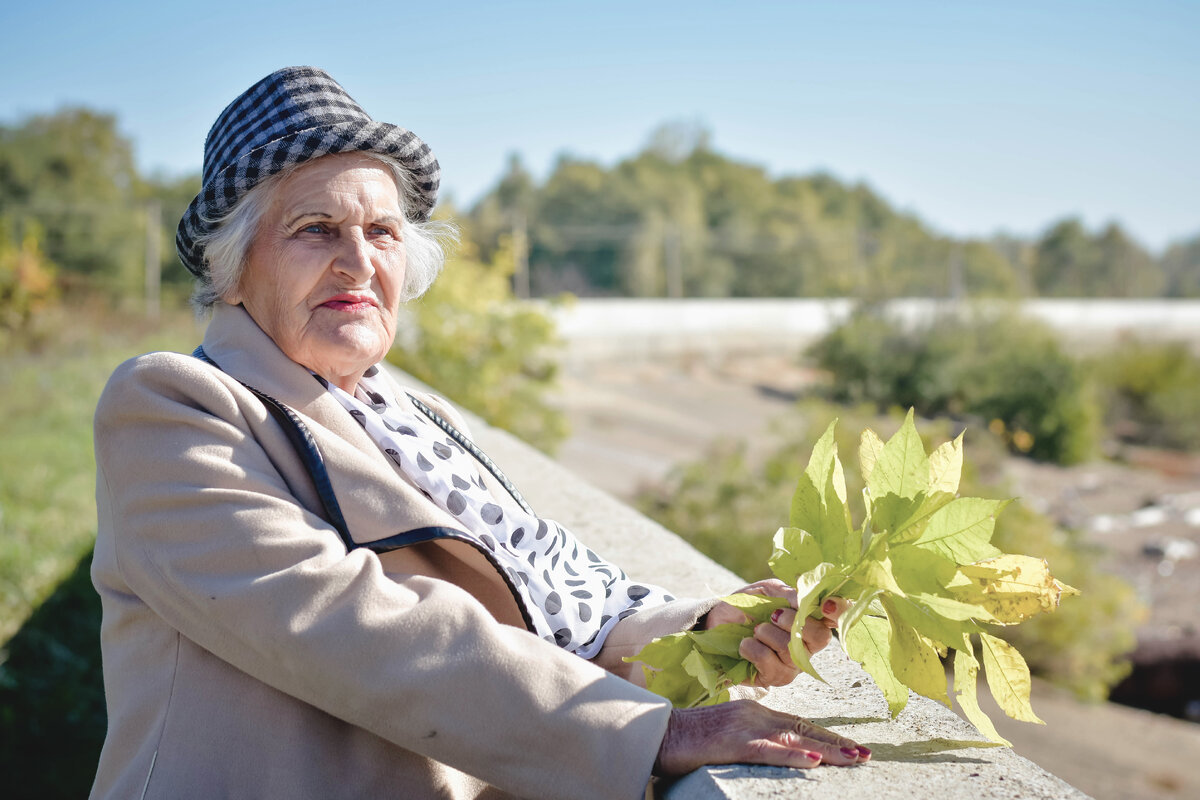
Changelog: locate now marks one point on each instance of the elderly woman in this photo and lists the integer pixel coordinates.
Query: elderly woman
(314, 584)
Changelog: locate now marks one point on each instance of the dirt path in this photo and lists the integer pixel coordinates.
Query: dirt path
(631, 423)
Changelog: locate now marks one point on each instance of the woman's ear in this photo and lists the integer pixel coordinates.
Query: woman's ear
(233, 296)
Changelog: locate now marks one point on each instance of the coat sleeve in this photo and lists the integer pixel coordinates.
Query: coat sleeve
(209, 537)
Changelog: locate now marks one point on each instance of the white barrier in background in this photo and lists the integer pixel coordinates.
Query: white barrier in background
(638, 328)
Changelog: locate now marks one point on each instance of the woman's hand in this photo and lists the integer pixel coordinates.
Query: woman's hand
(768, 649)
(744, 732)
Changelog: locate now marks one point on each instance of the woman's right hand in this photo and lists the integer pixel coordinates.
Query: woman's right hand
(744, 732)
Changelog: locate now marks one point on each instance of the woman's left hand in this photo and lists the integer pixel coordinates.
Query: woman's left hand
(768, 649)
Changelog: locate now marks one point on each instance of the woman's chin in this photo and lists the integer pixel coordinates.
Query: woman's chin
(346, 349)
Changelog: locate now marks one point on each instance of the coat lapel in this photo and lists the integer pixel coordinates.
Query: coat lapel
(376, 502)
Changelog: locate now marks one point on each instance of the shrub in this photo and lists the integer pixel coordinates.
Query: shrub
(1002, 371)
(1152, 393)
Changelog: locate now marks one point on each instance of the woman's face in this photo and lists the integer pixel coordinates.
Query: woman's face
(325, 271)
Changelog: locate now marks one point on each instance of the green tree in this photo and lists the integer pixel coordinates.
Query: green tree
(1181, 268)
(72, 173)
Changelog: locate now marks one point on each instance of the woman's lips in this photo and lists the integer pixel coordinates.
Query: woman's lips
(347, 302)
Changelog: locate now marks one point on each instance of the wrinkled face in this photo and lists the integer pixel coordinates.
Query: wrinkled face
(325, 272)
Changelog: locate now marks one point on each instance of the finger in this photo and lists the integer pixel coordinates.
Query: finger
(784, 618)
(772, 670)
(722, 614)
(772, 587)
(774, 636)
(815, 635)
(834, 607)
(834, 748)
(785, 750)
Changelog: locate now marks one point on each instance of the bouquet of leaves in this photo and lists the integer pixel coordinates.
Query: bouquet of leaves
(921, 573)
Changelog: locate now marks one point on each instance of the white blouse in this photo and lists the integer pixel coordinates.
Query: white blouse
(573, 596)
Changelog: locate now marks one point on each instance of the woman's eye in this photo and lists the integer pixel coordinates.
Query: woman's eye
(315, 227)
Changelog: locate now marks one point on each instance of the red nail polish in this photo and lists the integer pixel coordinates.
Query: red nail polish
(776, 614)
(829, 607)
(850, 752)
(863, 752)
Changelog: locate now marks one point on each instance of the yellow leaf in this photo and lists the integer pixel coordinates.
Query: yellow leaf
(966, 669)
(867, 643)
(1008, 678)
(1011, 588)
(915, 662)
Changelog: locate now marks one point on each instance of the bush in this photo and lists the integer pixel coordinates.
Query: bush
(1001, 371)
(728, 508)
(1152, 393)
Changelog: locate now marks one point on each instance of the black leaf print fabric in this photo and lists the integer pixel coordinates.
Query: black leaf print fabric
(570, 592)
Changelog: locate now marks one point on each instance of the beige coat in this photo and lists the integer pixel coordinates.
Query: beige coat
(248, 655)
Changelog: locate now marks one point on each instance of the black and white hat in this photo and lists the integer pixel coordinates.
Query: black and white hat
(291, 116)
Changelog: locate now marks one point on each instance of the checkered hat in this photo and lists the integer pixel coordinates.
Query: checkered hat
(291, 116)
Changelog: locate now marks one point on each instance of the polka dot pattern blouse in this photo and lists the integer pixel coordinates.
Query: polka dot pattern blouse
(573, 596)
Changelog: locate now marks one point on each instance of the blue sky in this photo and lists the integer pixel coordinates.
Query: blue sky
(976, 116)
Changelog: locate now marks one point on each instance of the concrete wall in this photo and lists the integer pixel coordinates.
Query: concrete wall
(926, 752)
(646, 328)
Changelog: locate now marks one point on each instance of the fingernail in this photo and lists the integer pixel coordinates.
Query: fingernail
(776, 614)
(863, 752)
(830, 606)
(850, 752)
(811, 756)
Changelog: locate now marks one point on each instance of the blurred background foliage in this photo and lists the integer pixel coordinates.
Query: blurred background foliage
(82, 231)
(467, 338)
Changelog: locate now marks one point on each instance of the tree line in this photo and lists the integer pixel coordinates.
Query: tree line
(676, 219)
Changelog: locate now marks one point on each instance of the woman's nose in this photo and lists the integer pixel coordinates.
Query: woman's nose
(355, 257)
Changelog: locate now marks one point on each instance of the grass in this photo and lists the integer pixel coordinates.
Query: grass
(50, 380)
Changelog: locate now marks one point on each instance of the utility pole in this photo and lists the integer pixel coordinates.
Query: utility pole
(672, 262)
(153, 258)
(520, 246)
(956, 288)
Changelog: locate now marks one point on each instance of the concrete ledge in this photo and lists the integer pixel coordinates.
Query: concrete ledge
(927, 752)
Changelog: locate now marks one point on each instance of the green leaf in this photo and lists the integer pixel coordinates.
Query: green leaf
(925, 614)
(966, 670)
(1008, 678)
(919, 570)
(869, 448)
(664, 652)
(899, 480)
(860, 604)
(868, 643)
(877, 573)
(962, 530)
(819, 503)
(915, 661)
(696, 665)
(722, 640)
(795, 552)
(811, 589)
(757, 606)
(945, 467)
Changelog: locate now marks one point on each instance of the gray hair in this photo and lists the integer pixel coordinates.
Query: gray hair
(227, 247)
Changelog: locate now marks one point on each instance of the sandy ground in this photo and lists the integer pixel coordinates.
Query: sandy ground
(631, 423)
